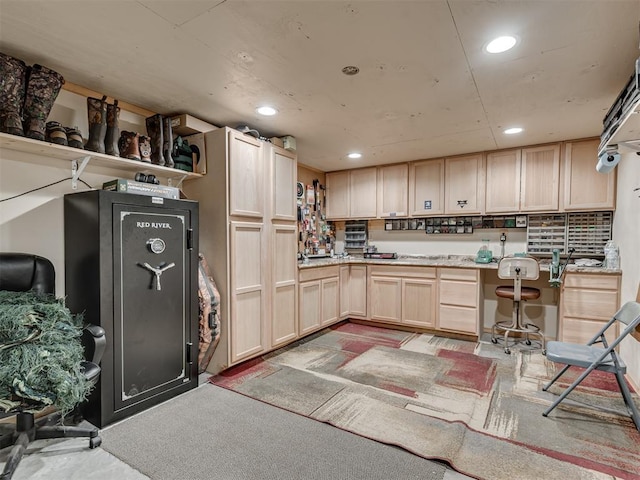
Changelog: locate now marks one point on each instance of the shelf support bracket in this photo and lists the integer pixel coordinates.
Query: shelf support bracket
(179, 182)
(76, 171)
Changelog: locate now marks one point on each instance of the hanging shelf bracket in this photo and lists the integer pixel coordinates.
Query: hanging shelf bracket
(179, 182)
(76, 170)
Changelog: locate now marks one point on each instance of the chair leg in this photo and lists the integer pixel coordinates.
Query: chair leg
(557, 376)
(62, 431)
(15, 456)
(568, 390)
(628, 400)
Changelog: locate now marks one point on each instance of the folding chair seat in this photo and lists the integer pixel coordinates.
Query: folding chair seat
(598, 354)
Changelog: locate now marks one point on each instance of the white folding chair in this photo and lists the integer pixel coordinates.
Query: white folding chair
(592, 357)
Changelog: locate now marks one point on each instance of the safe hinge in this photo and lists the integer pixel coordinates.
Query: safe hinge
(189, 350)
(190, 238)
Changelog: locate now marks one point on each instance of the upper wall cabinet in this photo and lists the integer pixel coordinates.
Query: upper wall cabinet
(337, 185)
(523, 180)
(464, 184)
(503, 181)
(363, 193)
(284, 173)
(426, 187)
(393, 182)
(584, 187)
(246, 175)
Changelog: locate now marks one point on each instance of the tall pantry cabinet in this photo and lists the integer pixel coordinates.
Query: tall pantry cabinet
(248, 236)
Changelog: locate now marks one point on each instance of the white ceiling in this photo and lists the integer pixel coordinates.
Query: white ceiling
(425, 87)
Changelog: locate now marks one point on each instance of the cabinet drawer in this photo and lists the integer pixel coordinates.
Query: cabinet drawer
(464, 294)
(598, 282)
(578, 330)
(403, 271)
(318, 273)
(459, 319)
(465, 274)
(591, 304)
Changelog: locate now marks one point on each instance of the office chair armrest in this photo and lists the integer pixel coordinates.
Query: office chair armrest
(94, 342)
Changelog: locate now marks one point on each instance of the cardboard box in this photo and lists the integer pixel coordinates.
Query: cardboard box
(139, 188)
(277, 142)
(197, 139)
(185, 124)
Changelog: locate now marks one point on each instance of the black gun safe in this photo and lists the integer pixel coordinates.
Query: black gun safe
(131, 265)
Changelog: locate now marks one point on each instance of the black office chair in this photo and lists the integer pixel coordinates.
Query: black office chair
(21, 272)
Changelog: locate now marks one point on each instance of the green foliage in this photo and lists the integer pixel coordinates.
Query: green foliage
(40, 353)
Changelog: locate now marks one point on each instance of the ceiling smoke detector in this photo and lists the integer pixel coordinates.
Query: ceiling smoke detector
(350, 70)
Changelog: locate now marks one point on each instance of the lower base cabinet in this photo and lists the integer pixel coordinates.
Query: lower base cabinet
(319, 294)
(459, 300)
(587, 302)
(353, 291)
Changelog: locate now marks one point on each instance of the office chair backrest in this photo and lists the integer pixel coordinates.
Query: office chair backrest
(21, 272)
(508, 266)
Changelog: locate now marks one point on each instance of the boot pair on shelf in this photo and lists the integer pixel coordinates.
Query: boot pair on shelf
(104, 128)
(134, 146)
(56, 133)
(161, 134)
(26, 97)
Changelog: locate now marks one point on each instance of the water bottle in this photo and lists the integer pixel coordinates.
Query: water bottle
(611, 258)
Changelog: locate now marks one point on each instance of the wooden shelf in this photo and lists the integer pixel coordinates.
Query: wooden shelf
(44, 152)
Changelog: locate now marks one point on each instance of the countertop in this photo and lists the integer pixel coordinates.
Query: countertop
(456, 261)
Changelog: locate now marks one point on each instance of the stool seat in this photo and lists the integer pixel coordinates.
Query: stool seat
(526, 293)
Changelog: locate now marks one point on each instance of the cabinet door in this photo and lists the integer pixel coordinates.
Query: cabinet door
(284, 272)
(337, 195)
(584, 187)
(540, 179)
(247, 311)
(330, 296)
(358, 290)
(385, 298)
(344, 291)
(392, 190)
(309, 306)
(503, 182)
(246, 176)
(283, 184)
(363, 193)
(426, 188)
(419, 302)
(464, 184)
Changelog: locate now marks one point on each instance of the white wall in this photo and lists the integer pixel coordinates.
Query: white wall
(626, 233)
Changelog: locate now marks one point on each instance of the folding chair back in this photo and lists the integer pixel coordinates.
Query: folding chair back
(598, 354)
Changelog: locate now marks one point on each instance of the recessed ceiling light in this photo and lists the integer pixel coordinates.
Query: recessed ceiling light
(501, 44)
(354, 155)
(266, 111)
(513, 130)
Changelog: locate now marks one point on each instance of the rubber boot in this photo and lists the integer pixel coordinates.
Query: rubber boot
(43, 86)
(97, 111)
(129, 145)
(167, 149)
(113, 130)
(154, 130)
(12, 86)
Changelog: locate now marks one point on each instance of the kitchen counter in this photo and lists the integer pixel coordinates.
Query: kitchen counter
(456, 261)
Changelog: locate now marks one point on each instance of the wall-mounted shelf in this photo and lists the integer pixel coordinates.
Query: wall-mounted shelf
(43, 153)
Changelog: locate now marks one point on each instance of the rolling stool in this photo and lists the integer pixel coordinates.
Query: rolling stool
(518, 269)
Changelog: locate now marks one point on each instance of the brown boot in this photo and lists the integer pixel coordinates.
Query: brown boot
(129, 145)
(145, 148)
(167, 149)
(97, 111)
(154, 129)
(113, 130)
(56, 133)
(12, 86)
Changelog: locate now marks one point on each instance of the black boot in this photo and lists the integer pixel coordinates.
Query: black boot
(56, 133)
(43, 86)
(167, 149)
(97, 110)
(154, 130)
(12, 85)
(113, 129)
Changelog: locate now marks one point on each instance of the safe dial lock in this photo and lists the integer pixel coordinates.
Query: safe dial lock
(156, 245)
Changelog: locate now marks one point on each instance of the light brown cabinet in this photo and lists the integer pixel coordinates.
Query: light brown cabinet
(353, 291)
(351, 194)
(403, 295)
(523, 180)
(337, 185)
(587, 302)
(464, 185)
(319, 295)
(392, 191)
(284, 269)
(426, 188)
(459, 307)
(585, 189)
